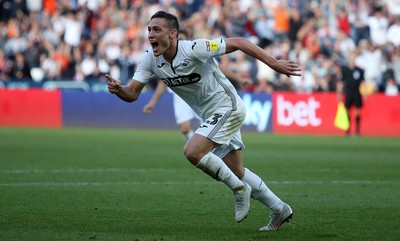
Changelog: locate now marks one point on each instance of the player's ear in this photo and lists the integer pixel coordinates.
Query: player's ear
(173, 33)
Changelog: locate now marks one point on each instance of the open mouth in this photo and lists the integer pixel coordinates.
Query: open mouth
(154, 44)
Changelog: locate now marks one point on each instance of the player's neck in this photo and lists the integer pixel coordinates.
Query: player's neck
(170, 54)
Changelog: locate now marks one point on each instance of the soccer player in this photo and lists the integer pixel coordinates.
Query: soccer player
(183, 113)
(351, 80)
(189, 69)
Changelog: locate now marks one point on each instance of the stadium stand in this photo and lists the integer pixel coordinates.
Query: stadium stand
(81, 40)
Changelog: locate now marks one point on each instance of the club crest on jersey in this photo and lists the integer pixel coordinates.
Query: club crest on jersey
(182, 80)
(212, 45)
(185, 62)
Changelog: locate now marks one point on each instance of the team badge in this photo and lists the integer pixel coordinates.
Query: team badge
(212, 45)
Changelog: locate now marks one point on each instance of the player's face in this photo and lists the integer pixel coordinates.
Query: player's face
(160, 36)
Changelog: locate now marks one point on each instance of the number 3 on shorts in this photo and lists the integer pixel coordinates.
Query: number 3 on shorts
(214, 119)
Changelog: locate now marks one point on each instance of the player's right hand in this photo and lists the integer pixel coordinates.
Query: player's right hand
(114, 86)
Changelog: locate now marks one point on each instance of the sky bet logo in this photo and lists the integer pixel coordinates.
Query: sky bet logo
(257, 113)
(288, 113)
(300, 113)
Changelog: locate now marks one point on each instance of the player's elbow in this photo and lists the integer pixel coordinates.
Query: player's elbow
(128, 98)
(132, 99)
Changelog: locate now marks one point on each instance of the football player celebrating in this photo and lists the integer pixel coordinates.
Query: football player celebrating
(189, 69)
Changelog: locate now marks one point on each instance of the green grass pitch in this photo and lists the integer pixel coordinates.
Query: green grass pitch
(113, 184)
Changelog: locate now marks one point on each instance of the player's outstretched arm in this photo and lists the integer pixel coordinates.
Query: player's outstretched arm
(285, 67)
(128, 93)
(160, 89)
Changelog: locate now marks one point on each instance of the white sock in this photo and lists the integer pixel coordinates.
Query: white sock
(261, 192)
(217, 169)
(188, 135)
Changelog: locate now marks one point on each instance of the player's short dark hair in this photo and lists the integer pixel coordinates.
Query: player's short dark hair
(171, 19)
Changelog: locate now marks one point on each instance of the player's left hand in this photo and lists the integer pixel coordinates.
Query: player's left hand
(288, 67)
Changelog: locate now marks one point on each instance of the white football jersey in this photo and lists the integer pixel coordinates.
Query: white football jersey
(194, 75)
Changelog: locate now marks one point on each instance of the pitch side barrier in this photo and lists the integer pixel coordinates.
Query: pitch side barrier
(280, 112)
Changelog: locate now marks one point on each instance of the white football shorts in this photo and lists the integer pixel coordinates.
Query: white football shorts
(182, 111)
(223, 127)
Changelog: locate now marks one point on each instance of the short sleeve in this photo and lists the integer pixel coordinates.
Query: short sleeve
(204, 49)
(144, 70)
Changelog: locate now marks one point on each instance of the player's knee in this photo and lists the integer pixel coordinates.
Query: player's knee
(192, 154)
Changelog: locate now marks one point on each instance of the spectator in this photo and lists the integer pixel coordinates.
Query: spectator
(50, 67)
(114, 34)
(88, 64)
(396, 66)
(20, 69)
(344, 45)
(295, 24)
(16, 43)
(50, 6)
(393, 7)
(238, 21)
(62, 57)
(73, 29)
(391, 88)
(378, 25)
(126, 63)
(34, 5)
(393, 33)
(343, 21)
(264, 27)
(370, 60)
(358, 18)
(300, 84)
(282, 20)
(5, 67)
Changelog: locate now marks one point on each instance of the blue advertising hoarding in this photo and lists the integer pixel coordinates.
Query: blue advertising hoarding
(101, 109)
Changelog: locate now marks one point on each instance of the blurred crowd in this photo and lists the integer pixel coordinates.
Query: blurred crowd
(81, 40)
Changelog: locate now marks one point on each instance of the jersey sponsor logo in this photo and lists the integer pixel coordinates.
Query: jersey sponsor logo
(161, 65)
(212, 45)
(182, 80)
